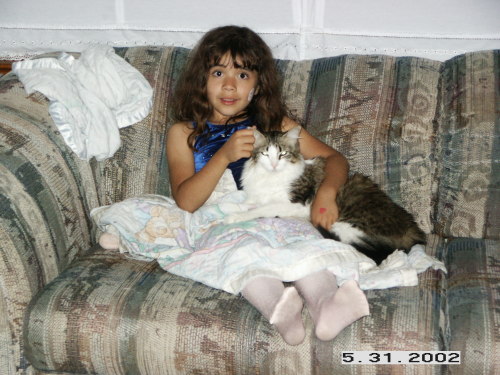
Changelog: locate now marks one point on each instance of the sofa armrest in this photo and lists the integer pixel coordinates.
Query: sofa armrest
(468, 147)
(46, 194)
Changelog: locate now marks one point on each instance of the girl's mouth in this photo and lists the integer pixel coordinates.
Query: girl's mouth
(228, 101)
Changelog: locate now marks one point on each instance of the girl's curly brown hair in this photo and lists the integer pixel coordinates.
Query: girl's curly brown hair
(190, 100)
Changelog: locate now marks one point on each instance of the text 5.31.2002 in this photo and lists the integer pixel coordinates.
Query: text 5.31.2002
(401, 357)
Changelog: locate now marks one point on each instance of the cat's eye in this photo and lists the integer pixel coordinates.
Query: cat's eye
(264, 153)
(283, 153)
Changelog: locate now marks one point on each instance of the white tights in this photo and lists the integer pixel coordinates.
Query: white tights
(332, 309)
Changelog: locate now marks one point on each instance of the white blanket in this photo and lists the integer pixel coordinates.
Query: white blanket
(91, 97)
(201, 247)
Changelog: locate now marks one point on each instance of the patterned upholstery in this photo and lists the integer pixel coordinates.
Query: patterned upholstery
(45, 197)
(472, 303)
(377, 111)
(140, 166)
(469, 147)
(152, 322)
(426, 131)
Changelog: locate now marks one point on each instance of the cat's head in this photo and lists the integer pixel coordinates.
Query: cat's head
(274, 150)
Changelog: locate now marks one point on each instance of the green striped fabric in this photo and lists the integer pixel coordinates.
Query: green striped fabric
(378, 111)
(140, 166)
(468, 147)
(45, 197)
(112, 315)
(46, 192)
(426, 131)
(472, 304)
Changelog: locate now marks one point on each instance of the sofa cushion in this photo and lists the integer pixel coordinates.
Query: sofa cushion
(468, 147)
(111, 315)
(45, 197)
(140, 166)
(378, 111)
(472, 304)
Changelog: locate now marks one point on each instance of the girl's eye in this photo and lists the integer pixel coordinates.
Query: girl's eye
(243, 75)
(217, 73)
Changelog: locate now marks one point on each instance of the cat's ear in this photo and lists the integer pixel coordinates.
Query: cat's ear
(259, 138)
(294, 132)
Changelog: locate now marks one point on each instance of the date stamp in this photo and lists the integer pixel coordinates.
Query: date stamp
(400, 358)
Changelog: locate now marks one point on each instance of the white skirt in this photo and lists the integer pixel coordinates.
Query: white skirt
(201, 247)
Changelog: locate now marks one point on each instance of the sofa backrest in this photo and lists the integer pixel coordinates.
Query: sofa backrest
(395, 119)
(427, 132)
(377, 110)
(140, 165)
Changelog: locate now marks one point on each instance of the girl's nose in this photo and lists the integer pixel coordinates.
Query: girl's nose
(229, 83)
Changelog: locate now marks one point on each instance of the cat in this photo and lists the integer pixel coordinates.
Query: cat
(279, 182)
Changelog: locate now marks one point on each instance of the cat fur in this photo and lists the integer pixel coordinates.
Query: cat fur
(279, 182)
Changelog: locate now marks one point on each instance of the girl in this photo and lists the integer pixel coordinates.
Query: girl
(230, 84)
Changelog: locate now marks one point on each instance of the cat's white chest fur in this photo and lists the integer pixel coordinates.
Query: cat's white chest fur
(264, 186)
(267, 181)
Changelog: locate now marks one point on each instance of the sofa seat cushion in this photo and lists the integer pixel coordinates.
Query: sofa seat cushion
(108, 314)
(472, 304)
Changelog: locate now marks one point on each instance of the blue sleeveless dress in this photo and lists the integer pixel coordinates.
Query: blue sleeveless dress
(214, 137)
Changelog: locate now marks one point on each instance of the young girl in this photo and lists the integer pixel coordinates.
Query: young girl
(230, 85)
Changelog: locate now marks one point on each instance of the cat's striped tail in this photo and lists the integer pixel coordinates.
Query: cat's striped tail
(377, 248)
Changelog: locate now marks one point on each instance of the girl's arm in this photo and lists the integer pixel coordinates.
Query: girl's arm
(324, 210)
(189, 189)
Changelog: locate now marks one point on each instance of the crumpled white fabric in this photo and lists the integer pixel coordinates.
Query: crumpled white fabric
(399, 269)
(90, 97)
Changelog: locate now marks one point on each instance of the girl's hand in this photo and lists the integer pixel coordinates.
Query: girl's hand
(324, 210)
(240, 145)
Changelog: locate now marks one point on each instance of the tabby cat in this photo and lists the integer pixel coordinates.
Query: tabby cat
(280, 183)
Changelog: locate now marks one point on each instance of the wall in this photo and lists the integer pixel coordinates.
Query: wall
(295, 29)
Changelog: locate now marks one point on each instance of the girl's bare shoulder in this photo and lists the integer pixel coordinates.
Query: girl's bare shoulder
(179, 133)
(180, 129)
(288, 124)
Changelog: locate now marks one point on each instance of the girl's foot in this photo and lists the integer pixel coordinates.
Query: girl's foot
(331, 308)
(109, 241)
(346, 306)
(287, 317)
(281, 306)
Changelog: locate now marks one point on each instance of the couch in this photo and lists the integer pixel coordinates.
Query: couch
(426, 131)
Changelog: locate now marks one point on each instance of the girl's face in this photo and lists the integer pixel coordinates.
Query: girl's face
(230, 88)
